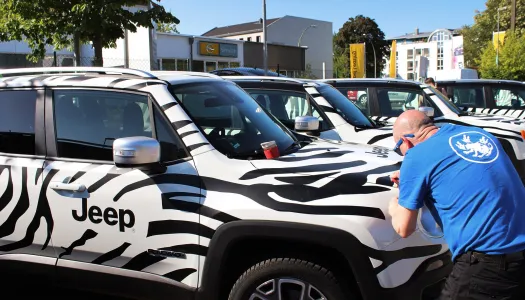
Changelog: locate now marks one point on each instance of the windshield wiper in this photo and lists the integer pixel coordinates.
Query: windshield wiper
(292, 147)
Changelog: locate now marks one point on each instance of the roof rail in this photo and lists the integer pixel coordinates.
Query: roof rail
(98, 70)
(265, 78)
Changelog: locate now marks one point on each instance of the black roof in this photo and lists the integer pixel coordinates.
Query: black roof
(372, 82)
(238, 28)
(480, 81)
(248, 71)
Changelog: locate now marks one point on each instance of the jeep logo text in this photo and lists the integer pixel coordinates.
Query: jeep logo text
(124, 217)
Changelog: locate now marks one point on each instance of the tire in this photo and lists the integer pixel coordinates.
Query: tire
(291, 273)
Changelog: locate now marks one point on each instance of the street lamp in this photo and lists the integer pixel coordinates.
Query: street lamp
(301, 37)
(265, 45)
(369, 36)
(497, 46)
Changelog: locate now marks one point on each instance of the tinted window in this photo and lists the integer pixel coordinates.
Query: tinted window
(345, 108)
(17, 122)
(393, 102)
(468, 96)
(232, 121)
(358, 96)
(512, 97)
(171, 147)
(287, 105)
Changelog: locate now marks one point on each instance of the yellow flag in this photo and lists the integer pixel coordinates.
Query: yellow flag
(393, 73)
(357, 60)
(498, 36)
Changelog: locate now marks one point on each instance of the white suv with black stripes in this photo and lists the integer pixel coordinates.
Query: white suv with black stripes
(154, 185)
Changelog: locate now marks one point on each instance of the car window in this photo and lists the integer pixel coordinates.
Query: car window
(232, 121)
(346, 109)
(287, 105)
(509, 97)
(358, 96)
(87, 122)
(468, 96)
(17, 122)
(393, 101)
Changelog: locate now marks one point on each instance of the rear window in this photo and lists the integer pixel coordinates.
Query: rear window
(17, 122)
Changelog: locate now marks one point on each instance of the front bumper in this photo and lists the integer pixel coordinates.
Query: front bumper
(426, 282)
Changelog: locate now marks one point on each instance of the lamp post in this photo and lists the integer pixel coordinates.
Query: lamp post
(374, 49)
(265, 45)
(301, 37)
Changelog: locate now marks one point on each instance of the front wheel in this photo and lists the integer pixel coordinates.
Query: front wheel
(287, 279)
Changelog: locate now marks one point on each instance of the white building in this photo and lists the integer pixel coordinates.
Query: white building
(316, 35)
(427, 54)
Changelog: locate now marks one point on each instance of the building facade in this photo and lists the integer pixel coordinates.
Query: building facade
(427, 54)
(313, 35)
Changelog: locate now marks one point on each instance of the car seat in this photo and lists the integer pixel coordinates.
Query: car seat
(384, 103)
(132, 121)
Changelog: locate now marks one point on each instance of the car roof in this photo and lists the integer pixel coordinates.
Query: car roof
(371, 80)
(470, 81)
(96, 77)
(248, 70)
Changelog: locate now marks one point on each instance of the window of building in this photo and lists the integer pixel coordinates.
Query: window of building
(410, 66)
(410, 53)
(235, 64)
(87, 123)
(249, 39)
(223, 65)
(210, 66)
(183, 65)
(258, 39)
(168, 64)
(17, 122)
(198, 66)
(241, 39)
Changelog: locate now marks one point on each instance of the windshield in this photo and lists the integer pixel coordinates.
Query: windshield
(344, 107)
(232, 121)
(447, 102)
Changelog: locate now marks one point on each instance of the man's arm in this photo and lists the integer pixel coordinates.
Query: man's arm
(412, 192)
(403, 220)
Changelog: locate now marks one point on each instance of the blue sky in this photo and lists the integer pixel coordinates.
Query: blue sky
(394, 17)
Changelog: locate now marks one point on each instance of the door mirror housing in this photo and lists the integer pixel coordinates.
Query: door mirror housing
(138, 152)
(308, 125)
(429, 111)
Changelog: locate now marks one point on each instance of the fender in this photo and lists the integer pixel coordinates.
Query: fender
(345, 243)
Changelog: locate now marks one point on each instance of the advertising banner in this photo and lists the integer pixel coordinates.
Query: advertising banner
(357, 61)
(392, 72)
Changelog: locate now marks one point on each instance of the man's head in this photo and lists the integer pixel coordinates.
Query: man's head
(411, 128)
(430, 81)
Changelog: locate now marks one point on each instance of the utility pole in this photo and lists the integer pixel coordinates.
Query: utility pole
(513, 15)
(265, 45)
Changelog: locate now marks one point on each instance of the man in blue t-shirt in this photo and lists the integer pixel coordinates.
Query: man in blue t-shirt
(463, 176)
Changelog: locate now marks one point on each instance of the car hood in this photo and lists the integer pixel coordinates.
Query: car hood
(497, 118)
(329, 159)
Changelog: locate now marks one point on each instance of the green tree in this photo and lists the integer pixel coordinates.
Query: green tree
(167, 28)
(361, 29)
(511, 59)
(477, 35)
(65, 23)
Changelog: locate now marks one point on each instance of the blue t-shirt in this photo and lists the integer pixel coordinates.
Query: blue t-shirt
(463, 175)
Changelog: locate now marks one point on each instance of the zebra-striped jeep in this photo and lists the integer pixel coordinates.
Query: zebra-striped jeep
(156, 186)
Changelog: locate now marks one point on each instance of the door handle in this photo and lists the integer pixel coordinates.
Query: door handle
(70, 187)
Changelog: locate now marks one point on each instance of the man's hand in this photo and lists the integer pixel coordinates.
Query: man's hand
(395, 177)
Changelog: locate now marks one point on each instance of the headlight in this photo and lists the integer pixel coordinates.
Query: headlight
(428, 225)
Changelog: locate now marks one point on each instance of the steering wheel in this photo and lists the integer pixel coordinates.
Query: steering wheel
(218, 131)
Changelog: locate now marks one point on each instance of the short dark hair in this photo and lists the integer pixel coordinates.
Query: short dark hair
(430, 80)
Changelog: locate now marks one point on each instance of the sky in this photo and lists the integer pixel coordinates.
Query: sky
(394, 17)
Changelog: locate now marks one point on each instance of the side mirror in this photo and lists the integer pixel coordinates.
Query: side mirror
(307, 124)
(429, 111)
(137, 152)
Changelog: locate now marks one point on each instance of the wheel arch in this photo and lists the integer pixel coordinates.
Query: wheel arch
(231, 235)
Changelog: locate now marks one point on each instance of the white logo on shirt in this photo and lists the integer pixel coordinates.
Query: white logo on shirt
(474, 146)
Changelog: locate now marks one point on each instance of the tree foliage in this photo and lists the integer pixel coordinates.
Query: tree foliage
(167, 28)
(475, 37)
(511, 59)
(60, 23)
(358, 30)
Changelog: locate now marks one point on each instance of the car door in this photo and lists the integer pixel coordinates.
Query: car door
(108, 217)
(26, 224)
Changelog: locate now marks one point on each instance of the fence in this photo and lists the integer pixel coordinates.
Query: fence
(17, 60)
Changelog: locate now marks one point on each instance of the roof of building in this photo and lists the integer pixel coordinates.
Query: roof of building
(419, 35)
(239, 28)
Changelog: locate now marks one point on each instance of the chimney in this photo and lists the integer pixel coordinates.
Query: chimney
(417, 31)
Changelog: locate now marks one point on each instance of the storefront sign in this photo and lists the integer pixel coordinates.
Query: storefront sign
(218, 49)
